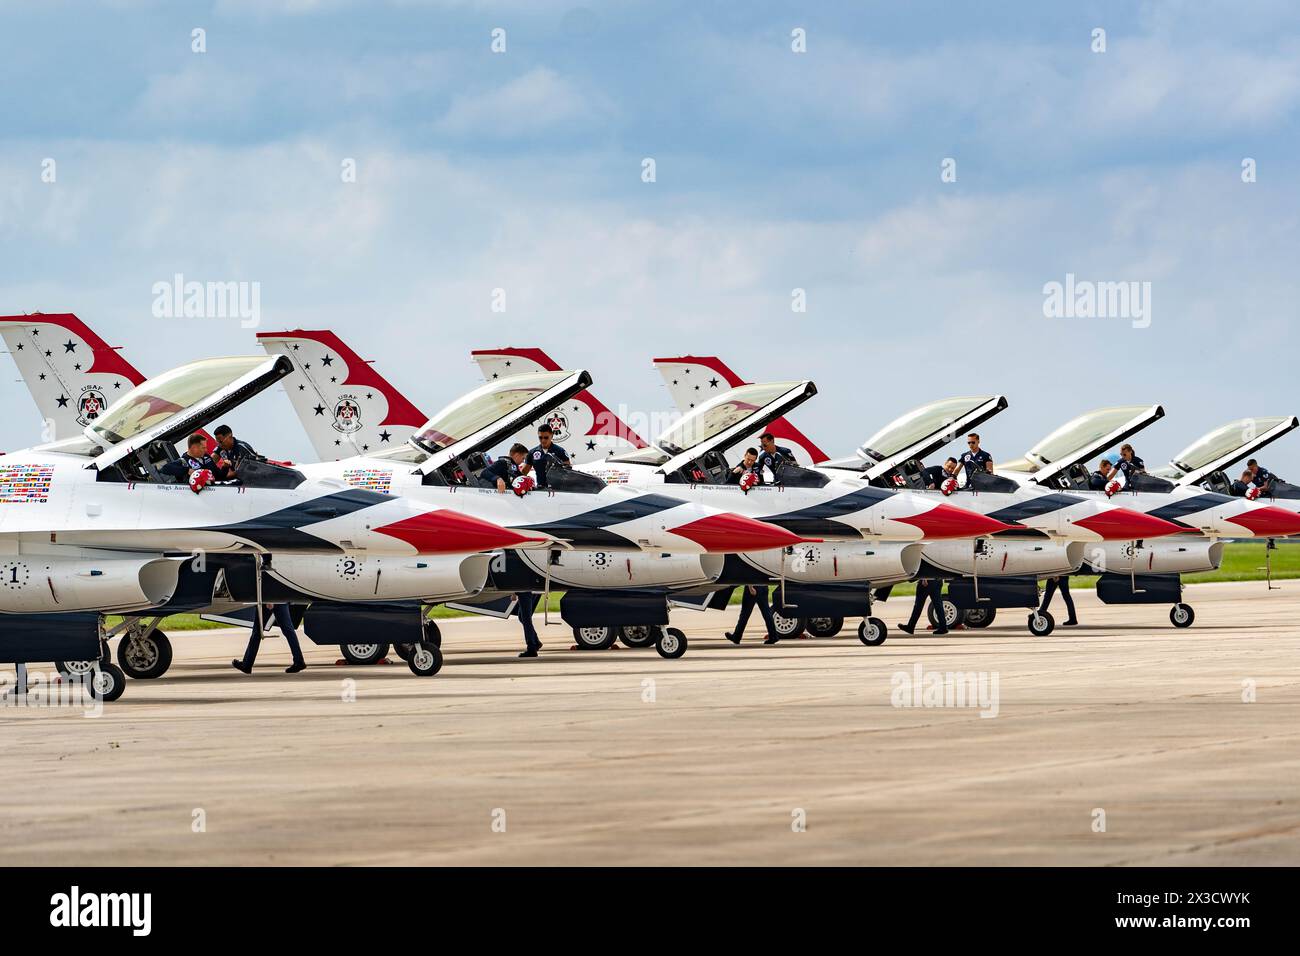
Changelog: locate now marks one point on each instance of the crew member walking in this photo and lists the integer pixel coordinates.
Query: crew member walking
(931, 588)
(751, 595)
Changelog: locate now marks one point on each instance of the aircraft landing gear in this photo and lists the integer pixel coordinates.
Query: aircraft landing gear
(107, 682)
(426, 659)
(825, 626)
(1182, 615)
(639, 635)
(671, 643)
(594, 638)
(1041, 623)
(787, 627)
(872, 632)
(144, 652)
(364, 653)
(951, 615)
(979, 616)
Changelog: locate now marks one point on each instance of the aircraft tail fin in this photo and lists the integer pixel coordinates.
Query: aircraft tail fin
(587, 429)
(345, 406)
(71, 373)
(692, 379)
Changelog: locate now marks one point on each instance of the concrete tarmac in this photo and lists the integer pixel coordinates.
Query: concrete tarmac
(1122, 741)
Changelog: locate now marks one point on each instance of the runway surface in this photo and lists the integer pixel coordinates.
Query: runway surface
(621, 757)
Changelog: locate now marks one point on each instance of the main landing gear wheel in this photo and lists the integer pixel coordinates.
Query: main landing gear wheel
(979, 616)
(404, 651)
(594, 638)
(1181, 615)
(1041, 623)
(144, 656)
(431, 634)
(74, 668)
(786, 626)
(825, 626)
(364, 653)
(107, 682)
(671, 643)
(950, 614)
(426, 659)
(872, 632)
(639, 635)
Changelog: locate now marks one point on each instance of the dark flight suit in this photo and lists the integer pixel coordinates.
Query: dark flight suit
(934, 476)
(1263, 476)
(524, 609)
(285, 622)
(1098, 482)
(773, 461)
(932, 589)
(974, 461)
(182, 467)
(240, 452)
(1063, 584)
(1239, 488)
(503, 468)
(751, 595)
(1131, 469)
(540, 458)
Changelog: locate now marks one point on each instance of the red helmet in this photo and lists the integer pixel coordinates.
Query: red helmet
(1253, 492)
(523, 484)
(199, 479)
(949, 486)
(1111, 488)
(748, 480)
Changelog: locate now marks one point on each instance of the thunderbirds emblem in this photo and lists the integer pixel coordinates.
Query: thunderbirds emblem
(90, 405)
(347, 414)
(559, 425)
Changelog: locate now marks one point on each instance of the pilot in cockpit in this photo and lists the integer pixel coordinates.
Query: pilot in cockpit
(195, 462)
(1103, 476)
(501, 474)
(935, 475)
(746, 464)
(1243, 484)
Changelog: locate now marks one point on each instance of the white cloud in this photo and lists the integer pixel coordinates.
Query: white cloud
(539, 101)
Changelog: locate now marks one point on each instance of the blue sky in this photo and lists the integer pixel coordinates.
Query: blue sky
(775, 171)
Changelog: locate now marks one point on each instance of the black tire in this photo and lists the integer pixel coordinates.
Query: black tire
(426, 659)
(873, 632)
(671, 643)
(74, 668)
(364, 653)
(785, 625)
(107, 683)
(979, 616)
(1041, 623)
(1181, 615)
(639, 635)
(404, 651)
(594, 638)
(145, 656)
(432, 634)
(825, 626)
(949, 611)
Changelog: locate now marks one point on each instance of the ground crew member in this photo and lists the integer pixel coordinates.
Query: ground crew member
(975, 458)
(502, 472)
(546, 455)
(524, 609)
(1062, 584)
(232, 449)
(284, 621)
(751, 595)
(1260, 475)
(773, 457)
(1129, 465)
(931, 588)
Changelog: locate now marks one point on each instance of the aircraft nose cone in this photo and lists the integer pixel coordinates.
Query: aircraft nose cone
(731, 533)
(450, 532)
(1269, 521)
(1124, 524)
(946, 521)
